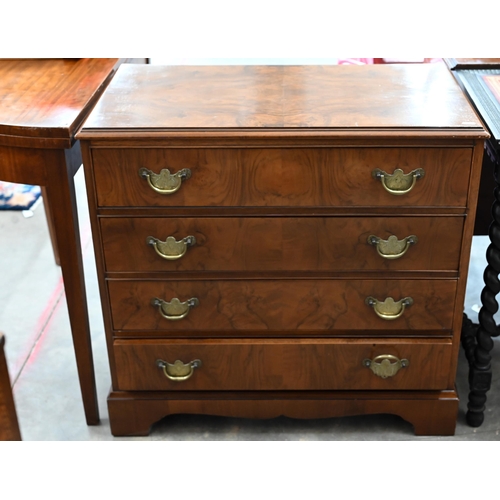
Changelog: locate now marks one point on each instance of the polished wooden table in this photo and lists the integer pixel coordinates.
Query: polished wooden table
(43, 104)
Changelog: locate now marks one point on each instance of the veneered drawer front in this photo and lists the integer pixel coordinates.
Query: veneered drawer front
(226, 307)
(282, 244)
(317, 364)
(317, 177)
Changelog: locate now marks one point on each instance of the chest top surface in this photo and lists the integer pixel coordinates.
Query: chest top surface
(422, 98)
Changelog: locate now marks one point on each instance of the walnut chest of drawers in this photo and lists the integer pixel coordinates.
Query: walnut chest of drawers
(282, 240)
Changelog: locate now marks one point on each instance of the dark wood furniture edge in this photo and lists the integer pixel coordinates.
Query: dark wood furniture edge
(9, 425)
(484, 103)
(454, 64)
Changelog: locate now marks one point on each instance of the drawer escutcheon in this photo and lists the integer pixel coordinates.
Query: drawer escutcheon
(165, 182)
(175, 309)
(389, 309)
(392, 248)
(398, 183)
(385, 365)
(171, 249)
(178, 371)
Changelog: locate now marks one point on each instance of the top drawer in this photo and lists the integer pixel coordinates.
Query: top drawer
(274, 177)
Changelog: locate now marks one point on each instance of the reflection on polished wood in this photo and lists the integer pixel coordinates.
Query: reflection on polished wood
(267, 97)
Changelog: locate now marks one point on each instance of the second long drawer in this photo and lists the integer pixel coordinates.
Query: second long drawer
(229, 307)
(133, 244)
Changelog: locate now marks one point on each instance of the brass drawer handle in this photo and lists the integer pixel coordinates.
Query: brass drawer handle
(389, 309)
(165, 182)
(398, 183)
(175, 309)
(171, 249)
(392, 248)
(385, 365)
(179, 371)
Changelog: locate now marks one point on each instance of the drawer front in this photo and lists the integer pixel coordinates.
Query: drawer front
(226, 307)
(283, 365)
(316, 177)
(282, 244)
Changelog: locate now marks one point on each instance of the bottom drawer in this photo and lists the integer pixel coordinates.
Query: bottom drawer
(298, 364)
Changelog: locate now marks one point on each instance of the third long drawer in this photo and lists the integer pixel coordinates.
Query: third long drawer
(231, 307)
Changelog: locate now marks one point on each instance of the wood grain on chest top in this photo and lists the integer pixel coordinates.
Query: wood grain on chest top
(266, 97)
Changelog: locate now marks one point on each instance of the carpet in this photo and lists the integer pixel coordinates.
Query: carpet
(18, 196)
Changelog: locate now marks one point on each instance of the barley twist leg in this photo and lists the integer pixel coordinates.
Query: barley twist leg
(480, 364)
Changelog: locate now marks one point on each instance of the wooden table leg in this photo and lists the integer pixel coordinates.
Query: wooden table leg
(9, 426)
(50, 224)
(60, 192)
